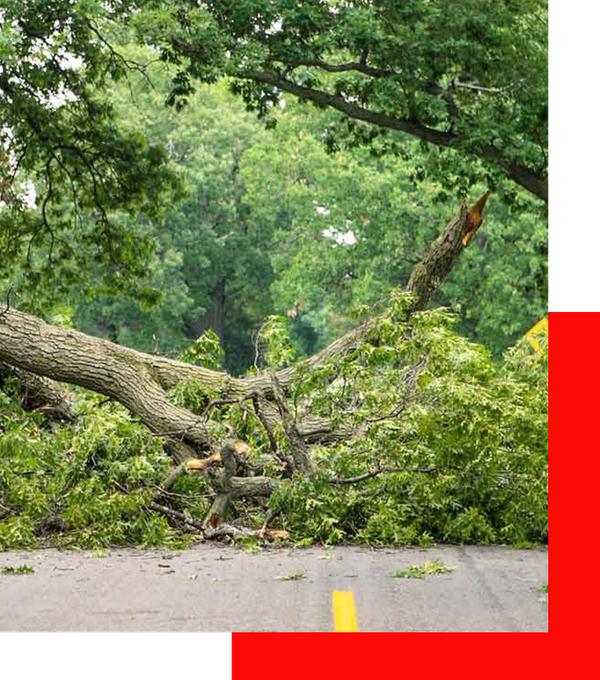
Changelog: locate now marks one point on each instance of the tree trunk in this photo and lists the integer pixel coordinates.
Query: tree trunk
(214, 318)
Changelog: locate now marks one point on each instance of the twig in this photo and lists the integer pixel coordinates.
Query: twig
(411, 384)
(226, 402)
(213, 404)
(385, 470)
(271, 514)
(257, 344)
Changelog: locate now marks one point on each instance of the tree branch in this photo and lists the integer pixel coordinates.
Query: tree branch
(298, 448)
(523, 176)
(351, 109)
(384, 470)
(359, 66)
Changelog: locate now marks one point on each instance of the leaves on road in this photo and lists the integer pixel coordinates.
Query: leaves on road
(433, 566)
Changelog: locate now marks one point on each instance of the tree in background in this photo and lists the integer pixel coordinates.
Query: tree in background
(66, 165)
(212, 267)
(474, 73)
(277, 215)
(467, 76)
(348, 226)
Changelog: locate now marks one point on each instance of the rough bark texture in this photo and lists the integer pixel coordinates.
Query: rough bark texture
(431, 271)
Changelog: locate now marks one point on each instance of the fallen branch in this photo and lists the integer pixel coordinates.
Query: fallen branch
(302, 461)
(385, 470)
(434, 267)
(184, 517)
(40, 394)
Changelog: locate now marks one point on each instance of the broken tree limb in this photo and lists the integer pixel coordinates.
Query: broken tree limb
(475, 218)
(220, 481)
(64, 355)
(184, 517)
(437, 263)
(38, 393)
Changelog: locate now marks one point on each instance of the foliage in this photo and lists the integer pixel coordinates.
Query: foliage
(17, 571)
(466, 76)
(469, 448)
(348, 227)
(428, 568)
(212, 267)
(273, 336)
(71, 175)
(458, 446)
(205, 351)
(86, 484)
(216, 259)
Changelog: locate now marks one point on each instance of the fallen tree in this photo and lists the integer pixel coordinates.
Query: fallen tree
(297, 412)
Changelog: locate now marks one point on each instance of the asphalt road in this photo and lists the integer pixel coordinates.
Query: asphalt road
(212, 588)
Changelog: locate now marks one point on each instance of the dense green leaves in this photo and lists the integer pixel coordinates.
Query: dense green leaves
(469, 76)
(66, 165)
(430, 436)
(348, 226)
(84, 485)
(212, 267)
(469, 445)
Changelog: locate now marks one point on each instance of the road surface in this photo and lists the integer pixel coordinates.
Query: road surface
(215, 588)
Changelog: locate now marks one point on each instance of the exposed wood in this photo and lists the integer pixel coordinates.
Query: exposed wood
(475, 218)
(435, 266)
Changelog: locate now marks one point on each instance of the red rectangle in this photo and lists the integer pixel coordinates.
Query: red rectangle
(320, 656)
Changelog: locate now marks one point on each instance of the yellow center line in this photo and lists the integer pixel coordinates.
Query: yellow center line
(344, 613)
